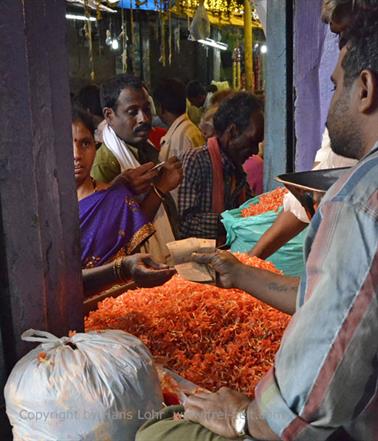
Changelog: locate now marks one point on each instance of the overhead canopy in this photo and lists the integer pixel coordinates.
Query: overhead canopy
(220, 12)
(95, 4)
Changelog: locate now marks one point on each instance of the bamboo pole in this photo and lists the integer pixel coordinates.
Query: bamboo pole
(248, 45)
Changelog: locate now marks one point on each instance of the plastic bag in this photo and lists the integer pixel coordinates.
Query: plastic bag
(98, 386)
(200, 26)
(244, 232)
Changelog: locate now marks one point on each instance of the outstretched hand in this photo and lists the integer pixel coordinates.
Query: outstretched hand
(144, 271)
(224, 263)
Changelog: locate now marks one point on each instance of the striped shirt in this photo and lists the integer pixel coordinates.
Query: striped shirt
(326, 371)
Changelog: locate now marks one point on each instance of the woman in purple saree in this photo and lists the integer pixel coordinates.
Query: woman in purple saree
(112, 223)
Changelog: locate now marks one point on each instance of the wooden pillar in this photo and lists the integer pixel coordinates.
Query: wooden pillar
(279, 108)
(40, 275)
(248, 45)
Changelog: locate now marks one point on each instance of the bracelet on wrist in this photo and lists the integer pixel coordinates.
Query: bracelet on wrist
(117, 269)
(158, 192)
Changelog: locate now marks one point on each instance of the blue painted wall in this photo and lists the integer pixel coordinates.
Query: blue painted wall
(278, 98)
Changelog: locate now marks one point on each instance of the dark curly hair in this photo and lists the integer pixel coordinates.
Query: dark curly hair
(111, 89)
(362, 45)
(237, 109)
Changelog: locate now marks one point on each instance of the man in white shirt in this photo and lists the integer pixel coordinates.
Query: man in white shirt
(182, 134)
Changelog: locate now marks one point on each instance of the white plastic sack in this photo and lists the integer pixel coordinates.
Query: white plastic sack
(100, 391)
(200, 26)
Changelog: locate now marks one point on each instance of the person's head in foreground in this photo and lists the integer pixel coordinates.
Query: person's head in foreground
(239, 126)
(352, 118)
(127, 109)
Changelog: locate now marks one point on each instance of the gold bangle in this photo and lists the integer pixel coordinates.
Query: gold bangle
(159, 194)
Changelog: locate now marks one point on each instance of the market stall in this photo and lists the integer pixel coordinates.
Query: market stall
(209, 335)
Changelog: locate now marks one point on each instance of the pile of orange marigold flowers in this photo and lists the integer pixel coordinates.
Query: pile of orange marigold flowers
(211, 336)
(271, 201)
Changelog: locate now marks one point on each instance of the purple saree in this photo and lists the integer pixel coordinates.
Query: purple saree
(111, 224)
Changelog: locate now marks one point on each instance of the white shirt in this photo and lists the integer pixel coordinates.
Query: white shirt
(181, 136)
(325, 158)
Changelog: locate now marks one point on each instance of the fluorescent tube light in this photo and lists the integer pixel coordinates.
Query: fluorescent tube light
(79, 17)
(213, 43)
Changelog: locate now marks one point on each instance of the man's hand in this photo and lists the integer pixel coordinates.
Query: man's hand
(144, 271)
(216, 411)
(139, 179)
(170, 176)
(224, 263)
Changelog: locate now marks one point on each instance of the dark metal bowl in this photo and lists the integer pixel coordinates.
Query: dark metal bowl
(309, 187)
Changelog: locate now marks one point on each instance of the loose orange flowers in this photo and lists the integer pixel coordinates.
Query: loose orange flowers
(271, 201)
(211, 336)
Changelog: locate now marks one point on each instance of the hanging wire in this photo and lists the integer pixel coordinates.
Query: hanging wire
(163, 59)
(124, 41)
(169, 34)
(88, 34)
(132, 31)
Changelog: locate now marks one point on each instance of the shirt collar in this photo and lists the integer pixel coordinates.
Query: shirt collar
(227, 163)
(176, 123)
(371, 151)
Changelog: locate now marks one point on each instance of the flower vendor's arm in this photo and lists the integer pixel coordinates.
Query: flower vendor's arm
(285, 227)
(273, 289)
(217, 412)
(325, 371)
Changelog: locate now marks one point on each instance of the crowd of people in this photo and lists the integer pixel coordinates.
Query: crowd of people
(138, 191)
(136, 196)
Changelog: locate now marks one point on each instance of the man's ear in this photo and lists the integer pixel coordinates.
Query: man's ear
(108, 114)
(231, 132)
(367, 91)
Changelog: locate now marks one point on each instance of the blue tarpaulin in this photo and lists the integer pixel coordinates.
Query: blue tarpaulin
(147, 5)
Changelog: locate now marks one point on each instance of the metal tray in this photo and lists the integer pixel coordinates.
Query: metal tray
(310, 186)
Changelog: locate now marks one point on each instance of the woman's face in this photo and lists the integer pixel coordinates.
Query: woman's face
(84, 151)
